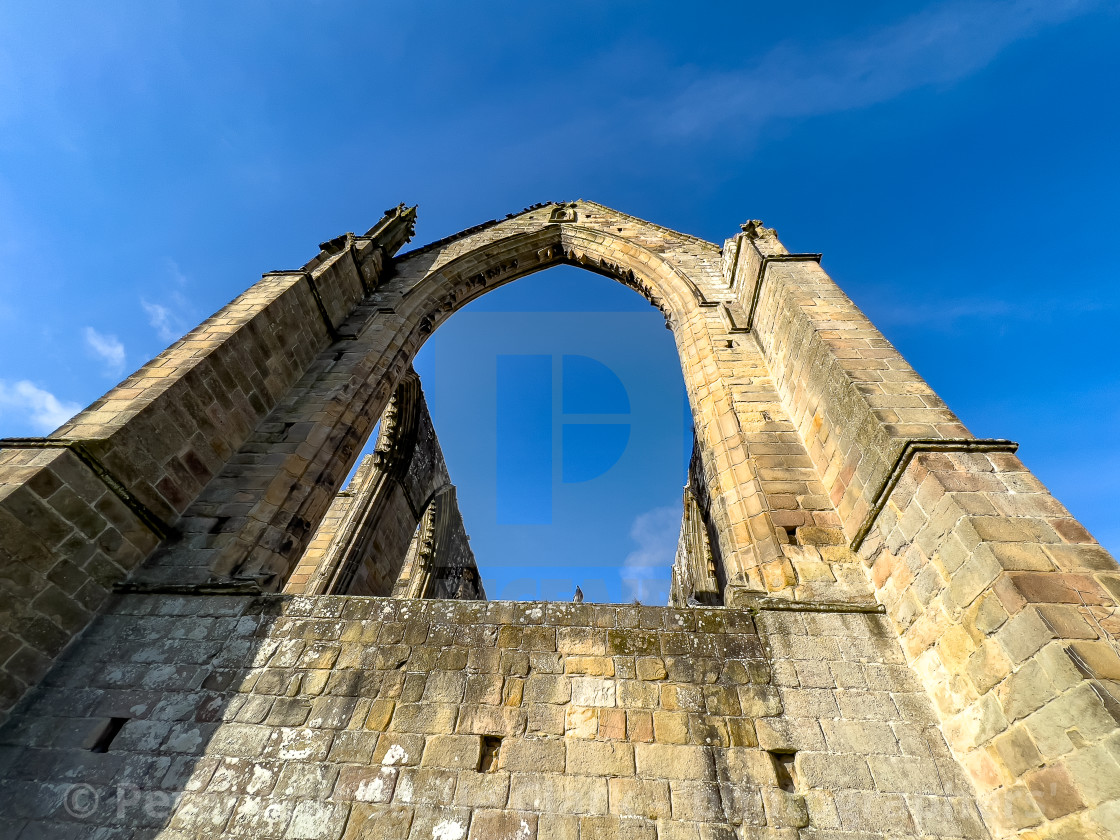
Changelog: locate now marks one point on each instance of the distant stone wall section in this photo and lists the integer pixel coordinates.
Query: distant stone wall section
(395, 520)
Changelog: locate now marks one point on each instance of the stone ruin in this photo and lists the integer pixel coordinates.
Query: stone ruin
(880, 624)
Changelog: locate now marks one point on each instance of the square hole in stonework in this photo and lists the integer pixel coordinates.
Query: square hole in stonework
(488, 757)
(785, 770)
(102, 735)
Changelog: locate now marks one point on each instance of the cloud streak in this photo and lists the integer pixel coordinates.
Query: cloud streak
(108, 349)
(160, 318)
(42, 410)
(937, 46)
(167, 318)
(647, 570)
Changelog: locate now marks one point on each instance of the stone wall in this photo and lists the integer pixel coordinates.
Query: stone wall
(332, 717)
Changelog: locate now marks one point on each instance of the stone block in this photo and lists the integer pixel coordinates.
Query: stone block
(612, 724)
(1054, 791)
(439, 823)
(527, 755)
(789, 734)
(639, 797)
(873, 812)
(317, 821)
(616, 828)
(1098, 658)
(424, 785)
(943, 816)
(444, 687)
(592, 691)
(558, 793)
(380, 713)
(599, 758)
(482, 790)
(503, 825)
(862, 736)
(639, 726)
(491, 720)
(635, 694)
(453, 752)
(557, 827)
(378, 822)
(670, 727)
(830, 771)
(669, 761)
(545, 719)
(650, 668)
(425, 718)
(353, 747)
(1091, 774)
(302, 781)
(547, 688)
(581, 722)
(366, 784)
(696, 801)
(398, 749)
(596, 666)
(904, 774)
(785, 809)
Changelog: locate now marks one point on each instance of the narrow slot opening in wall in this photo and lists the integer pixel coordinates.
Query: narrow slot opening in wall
(488, 756)
(785, 770)
(791, 534)
(103, 735)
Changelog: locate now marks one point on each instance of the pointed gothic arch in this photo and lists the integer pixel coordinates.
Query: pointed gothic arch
(317, 428)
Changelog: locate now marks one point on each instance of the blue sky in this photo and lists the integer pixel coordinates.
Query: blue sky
(955, 162)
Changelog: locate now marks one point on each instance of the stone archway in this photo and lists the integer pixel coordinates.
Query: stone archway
(316, 429)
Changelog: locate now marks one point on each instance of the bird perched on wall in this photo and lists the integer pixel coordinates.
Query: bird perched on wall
(692, 602)
(578, 597)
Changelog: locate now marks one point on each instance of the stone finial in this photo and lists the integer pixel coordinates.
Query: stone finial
(754, 229)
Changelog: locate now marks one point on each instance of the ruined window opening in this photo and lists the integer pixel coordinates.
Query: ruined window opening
(570, 376)
(362, 548)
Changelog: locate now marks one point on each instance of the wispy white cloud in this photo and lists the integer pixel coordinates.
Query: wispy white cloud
(172, 318)
(159, 316)
(948, 313)
(647, 570)
(108, 349)
(26, 403)
(937, 46)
